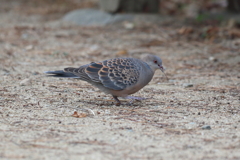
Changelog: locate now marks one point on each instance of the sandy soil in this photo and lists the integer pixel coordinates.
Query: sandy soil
(37, 112)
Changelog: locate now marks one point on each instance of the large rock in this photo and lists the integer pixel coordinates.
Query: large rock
(94, 17)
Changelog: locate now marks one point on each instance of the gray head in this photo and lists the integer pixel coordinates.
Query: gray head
(154, 62)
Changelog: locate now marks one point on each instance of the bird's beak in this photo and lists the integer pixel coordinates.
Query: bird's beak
(161, 68)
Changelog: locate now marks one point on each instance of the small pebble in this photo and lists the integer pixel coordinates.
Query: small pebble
(35, 73)
(30, 47)
(172, 80)
(186, 85)
(128, 25)
(25, 82)
(213, 59)
(206, 127)
(192, 123)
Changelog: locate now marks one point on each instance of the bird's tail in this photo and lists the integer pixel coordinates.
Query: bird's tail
(60, 74)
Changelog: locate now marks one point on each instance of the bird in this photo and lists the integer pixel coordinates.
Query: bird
(119, 77)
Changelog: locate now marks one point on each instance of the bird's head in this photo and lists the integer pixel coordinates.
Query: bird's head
(154, 62)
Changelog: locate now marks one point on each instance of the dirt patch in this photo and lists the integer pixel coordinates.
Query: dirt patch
(194, 114)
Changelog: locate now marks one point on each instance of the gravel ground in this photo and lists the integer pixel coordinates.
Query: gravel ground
(194, 114)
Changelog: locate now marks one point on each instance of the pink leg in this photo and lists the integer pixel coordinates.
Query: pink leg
(132, 98)
(135, 98)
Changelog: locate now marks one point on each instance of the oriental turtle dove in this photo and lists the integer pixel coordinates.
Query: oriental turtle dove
(119, 77)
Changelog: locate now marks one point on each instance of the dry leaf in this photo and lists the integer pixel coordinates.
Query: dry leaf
(79, 115)
(234, 33)
(122, 53)
(154, 42)
(185, 30)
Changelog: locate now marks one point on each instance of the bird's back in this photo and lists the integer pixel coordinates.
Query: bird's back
(115, 74)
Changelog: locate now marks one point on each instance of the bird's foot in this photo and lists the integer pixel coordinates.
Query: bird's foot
(135, 98)
(132, 98)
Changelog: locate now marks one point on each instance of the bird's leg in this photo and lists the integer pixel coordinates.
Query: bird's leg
(116, 99)
(135, 98)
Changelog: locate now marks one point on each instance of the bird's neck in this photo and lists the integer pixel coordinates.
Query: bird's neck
(152, 69)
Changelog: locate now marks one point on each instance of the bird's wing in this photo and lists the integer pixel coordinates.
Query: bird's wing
(116, 74)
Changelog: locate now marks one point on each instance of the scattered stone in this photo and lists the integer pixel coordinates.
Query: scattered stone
(29, 47)
(186, 85)
(213, 59)
(25, 82)
(128, 25)
(172, 80)
(35, 73)
(24, 36)
(192, 123)
(206, 127)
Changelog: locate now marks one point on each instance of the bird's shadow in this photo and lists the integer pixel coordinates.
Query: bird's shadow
(111, 103)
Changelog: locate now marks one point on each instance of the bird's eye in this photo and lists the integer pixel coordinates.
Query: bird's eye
(155, 61)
